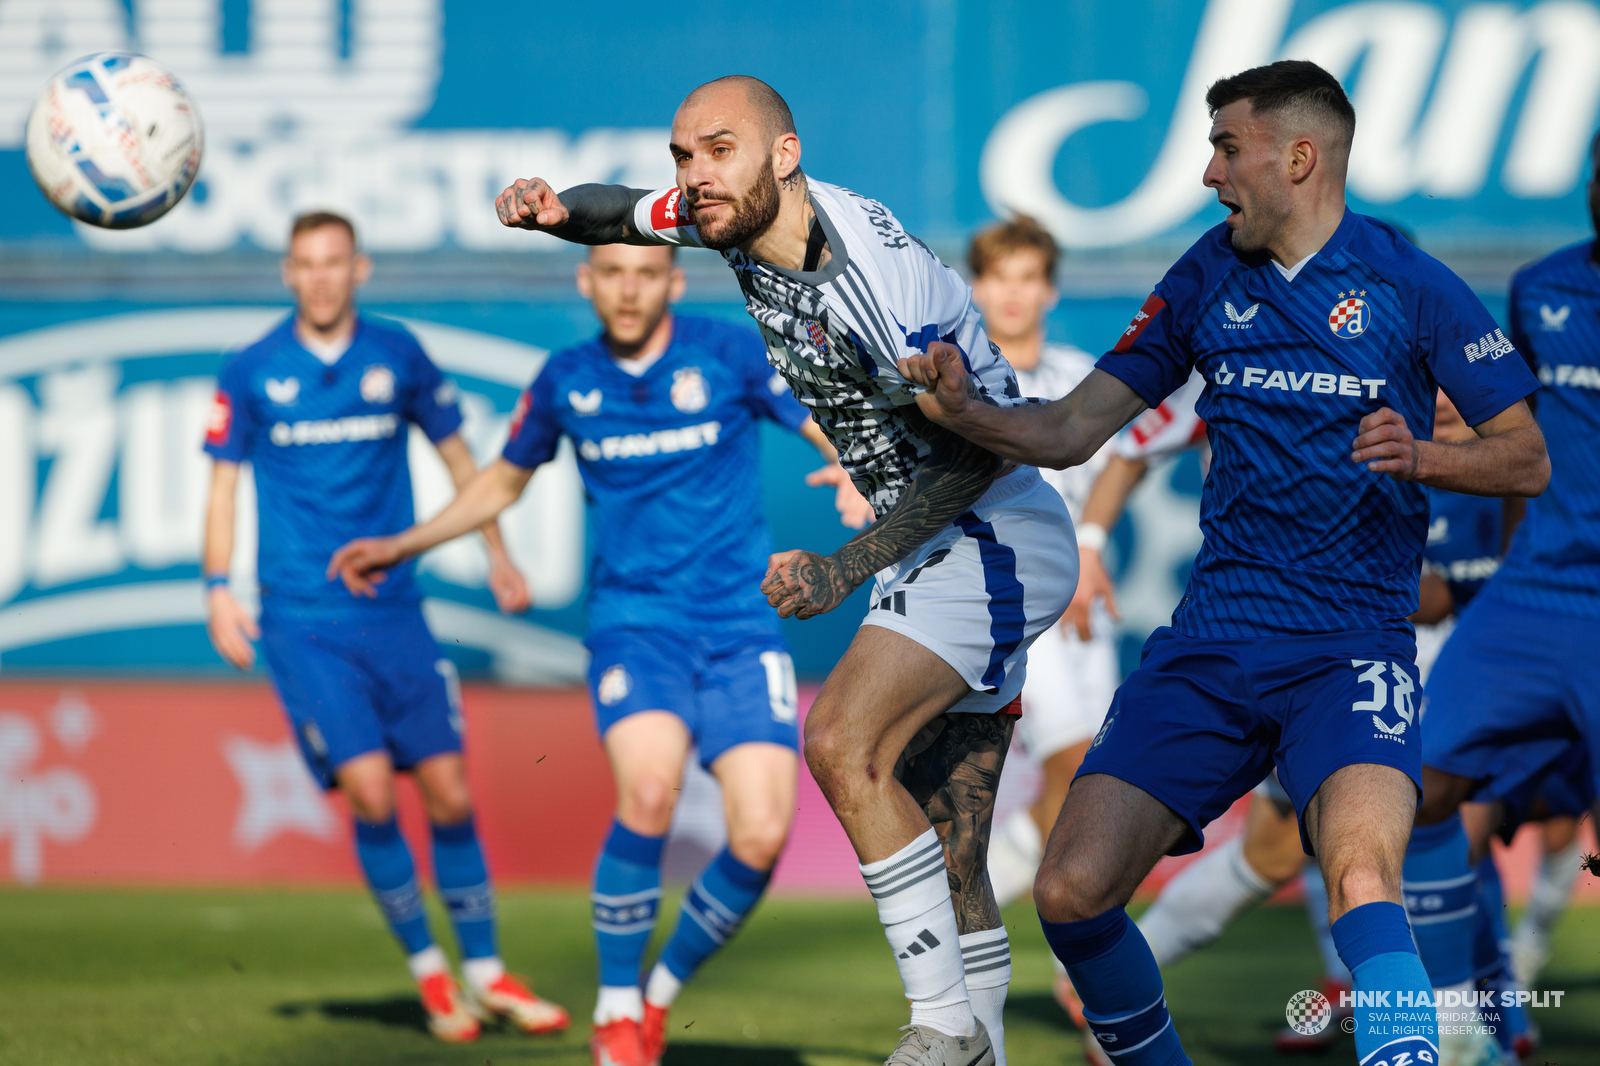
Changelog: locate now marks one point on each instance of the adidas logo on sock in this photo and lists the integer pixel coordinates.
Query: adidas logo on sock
(917, 949)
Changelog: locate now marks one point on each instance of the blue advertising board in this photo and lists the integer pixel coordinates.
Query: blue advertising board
(1474, 126)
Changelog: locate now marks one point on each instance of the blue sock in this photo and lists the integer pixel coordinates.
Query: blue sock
(1316, 891)
(464, 883)
(1490, 960)
(1123, 1000)
(1375, 943)
(713, 909)
(626, 894)
(386, 861)
(1441, 891)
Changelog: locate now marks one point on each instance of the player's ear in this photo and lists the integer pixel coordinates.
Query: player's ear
(363, 269)
(785, 154)
(585, 281)
(286, 271)
(1303, 158)
(679, 283)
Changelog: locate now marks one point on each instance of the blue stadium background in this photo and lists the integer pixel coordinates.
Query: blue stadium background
(417, 111)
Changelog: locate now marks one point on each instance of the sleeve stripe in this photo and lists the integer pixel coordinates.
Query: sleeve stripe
(1153, 305)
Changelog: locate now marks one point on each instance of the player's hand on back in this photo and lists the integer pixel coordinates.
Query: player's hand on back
(530, 203)
(854, 510)
(361, 564)
(510, 588)
(1386, 445)
(231, 629)
(802, 584)
(941, 372)
(1093, 583)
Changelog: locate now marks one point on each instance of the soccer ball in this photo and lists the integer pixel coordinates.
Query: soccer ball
(114, 140)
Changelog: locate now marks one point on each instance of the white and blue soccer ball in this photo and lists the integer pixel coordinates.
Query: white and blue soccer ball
(114, 140)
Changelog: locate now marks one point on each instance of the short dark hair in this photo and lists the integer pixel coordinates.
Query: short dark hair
(1287, 85)
(1005, 238)
(772, 108)
(311, 220)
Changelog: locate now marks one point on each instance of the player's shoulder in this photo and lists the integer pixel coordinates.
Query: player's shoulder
(573, 359)
(1066, 361)
(1557, 267)
(1195, 278)
(259, 352)
(1393, 256)
(388, 335)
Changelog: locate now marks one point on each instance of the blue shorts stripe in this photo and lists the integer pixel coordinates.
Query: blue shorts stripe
(1006, 615)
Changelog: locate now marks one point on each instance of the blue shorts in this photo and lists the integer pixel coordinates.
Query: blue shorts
(728, 690)
(1202, 721)
(1514, 691)
(359, 682)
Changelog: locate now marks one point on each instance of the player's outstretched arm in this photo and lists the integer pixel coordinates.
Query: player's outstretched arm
(583, 214)
(228, 624)
(360, 564)
(1508, 458)
(1059, 434)
(506, 582)
(804, 584)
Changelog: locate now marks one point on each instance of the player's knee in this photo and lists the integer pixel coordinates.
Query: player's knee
(452, 809)
(827, 752)
(757, 843)
(370, 801)
(647, 804)
(1071, 891)
(1361, 883)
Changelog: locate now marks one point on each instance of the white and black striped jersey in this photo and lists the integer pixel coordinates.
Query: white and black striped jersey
(1061, 367)
(837, 334)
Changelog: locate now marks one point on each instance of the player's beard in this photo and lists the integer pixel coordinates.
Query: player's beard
(749, 215)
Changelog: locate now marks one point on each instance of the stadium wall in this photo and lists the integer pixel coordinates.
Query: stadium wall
(150, 782)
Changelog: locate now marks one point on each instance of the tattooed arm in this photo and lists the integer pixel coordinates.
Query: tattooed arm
(804, 584)
(583, 214)
(952, 770)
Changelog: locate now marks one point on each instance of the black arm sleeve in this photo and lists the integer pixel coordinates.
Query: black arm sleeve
(600, 214)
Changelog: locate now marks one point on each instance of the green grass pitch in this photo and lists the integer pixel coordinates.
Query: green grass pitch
(250, 978)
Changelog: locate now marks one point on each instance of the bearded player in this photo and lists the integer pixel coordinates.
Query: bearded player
(1290, 648)
(970, 560)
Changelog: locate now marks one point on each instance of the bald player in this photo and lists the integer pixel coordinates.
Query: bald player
(971, 558)
(1321, 335)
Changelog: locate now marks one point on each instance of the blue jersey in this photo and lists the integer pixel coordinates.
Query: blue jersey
(671, 462)
(1299, 539)
(1554, 561)
(1463, 542)
(328, 447)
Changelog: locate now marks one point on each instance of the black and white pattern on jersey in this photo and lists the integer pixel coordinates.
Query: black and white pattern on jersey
(847, 381)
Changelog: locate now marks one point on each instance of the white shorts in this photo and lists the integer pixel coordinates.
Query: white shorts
(1070, 685)
(979, 593)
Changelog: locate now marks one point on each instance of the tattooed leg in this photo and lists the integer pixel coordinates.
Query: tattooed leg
(952, 769)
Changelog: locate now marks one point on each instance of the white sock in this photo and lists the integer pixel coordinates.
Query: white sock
(1198, 904)
(1547, 900)
(1552, 889)
(986, 957)
(427, 962)
(481, 973)
(1014, 857)
(662, 988)
(912, 890)
(617, 1002)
